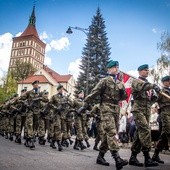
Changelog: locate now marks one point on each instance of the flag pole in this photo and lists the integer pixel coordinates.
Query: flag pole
(161, 92)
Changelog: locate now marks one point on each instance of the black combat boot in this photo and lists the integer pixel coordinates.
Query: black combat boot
(148, 161)
(11, 137)
(18, 139)
(49, 139)
(119, 161)
(52, 144)
(156, 157)
(81, 145)
(133, 160)
(71, 142)
(76, 145)
(42, 140)
(31, 145)
(95, 147)
(100, 159)
(6, 135)
(60, 148)
(27, 142)
(87, 143)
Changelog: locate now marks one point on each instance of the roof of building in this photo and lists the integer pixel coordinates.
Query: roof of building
(59, 78)
(31, 28)
(40, 78)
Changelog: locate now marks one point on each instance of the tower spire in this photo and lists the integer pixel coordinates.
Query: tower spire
(32, 19)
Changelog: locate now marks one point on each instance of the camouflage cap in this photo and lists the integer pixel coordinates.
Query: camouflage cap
(112, 64)
(165, 78)
(143, 67)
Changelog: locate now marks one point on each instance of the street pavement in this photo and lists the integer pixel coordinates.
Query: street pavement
(17, 157)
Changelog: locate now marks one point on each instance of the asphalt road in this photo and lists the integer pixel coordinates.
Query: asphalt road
(17, 157)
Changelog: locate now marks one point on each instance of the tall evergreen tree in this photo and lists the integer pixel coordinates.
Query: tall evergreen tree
(95, 54)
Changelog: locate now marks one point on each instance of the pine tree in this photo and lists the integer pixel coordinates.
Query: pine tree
(95, 54)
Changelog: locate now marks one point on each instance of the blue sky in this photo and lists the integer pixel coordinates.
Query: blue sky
(133, 27)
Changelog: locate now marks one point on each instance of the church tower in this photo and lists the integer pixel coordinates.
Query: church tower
(28, 47)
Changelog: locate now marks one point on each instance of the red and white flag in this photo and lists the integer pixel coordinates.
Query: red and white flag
(127, 80)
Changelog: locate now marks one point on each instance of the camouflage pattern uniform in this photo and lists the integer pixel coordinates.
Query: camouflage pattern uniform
(164, 140)
(111, 91)
(142, 95)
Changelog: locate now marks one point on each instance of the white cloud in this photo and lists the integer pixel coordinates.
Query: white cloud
(154, 30)
(74, 68)
(47, 61)
(18, 34)
(43, 35)
(47, 48)
(60, 44)
(5, 50)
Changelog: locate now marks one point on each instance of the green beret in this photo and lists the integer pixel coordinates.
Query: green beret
(143, 67)
(59, 87)
(35, 82)
(166, 78)
(112, 64)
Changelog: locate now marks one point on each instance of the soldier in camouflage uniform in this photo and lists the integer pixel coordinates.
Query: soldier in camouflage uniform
(164, 105)
(56, 124)
(144, 97)
(111, 91)
(78, 103)
(20, 117)
(31, 121)
(44, 108)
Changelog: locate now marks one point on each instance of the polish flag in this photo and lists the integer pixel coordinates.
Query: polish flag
(127, 80)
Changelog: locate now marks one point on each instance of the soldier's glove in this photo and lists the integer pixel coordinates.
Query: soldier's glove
(121, 92)
(156, 88)
(42, 113)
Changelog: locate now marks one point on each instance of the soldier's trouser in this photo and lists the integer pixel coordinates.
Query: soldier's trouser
(100, 132)
(64, 129)
(78, 127)
(69, 128)
(23, 122)
(164, 139)
(18, 125)
(35, 123)
(84, 129)
(29, 124)
(51, 129)
(41, 128)
(142, 136)
(11, 125)
(109, 141)
(57, 129)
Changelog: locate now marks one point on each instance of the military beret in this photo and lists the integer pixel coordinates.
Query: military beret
(35, 82)
(143, 67)
(59, 87)
(112, 64)
(15, 95)
(23, 90)
(165, 78)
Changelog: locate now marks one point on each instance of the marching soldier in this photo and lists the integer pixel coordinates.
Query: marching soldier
(143, 99)
(56, 126)
(31, 117)
(164, 105)
(111, 91)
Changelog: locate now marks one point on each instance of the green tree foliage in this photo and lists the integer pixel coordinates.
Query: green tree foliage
(163, 63)
(95, 54)
(22, 70)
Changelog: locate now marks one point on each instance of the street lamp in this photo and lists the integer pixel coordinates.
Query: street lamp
(86, 31)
